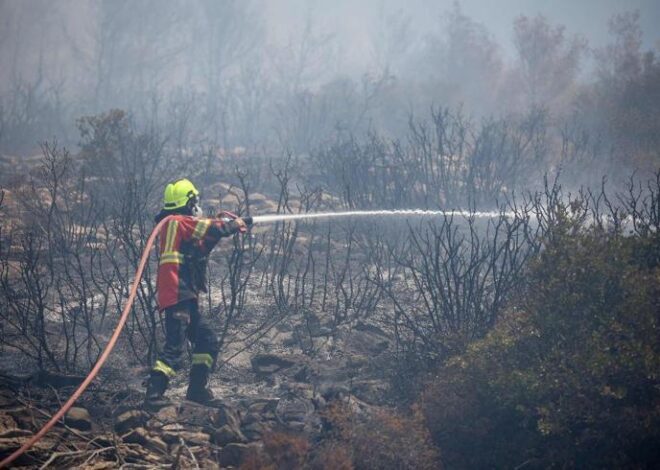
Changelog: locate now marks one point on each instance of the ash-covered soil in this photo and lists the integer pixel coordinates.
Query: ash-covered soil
(270, 385)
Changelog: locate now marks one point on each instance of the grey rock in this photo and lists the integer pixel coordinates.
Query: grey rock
(129, 420)
(167, 415)
(252, 418)
(227, 435)
(366, 343)
(253, 431)
(290, 341)
(296, 426)
(263, 406)
(174, 427)
(303, 374)
(325, 331)
(142, 437)
(266, 364)
(226, 416)
(78, 418)
(332, 391)
(196, 414)
(190, 437)
(295, 409)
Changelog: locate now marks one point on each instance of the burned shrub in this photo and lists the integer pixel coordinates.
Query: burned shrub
(381, 439)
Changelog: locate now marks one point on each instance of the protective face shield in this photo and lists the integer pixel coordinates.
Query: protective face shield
(197, 210)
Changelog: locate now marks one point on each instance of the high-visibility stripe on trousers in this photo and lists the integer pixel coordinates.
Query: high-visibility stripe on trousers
(183, 321)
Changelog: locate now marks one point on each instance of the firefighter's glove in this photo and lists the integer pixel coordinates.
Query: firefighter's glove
(238, 225)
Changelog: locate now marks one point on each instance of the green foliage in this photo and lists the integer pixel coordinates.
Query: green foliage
(571, 374)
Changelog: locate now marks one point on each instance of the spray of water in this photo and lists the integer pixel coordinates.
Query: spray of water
(396, 213)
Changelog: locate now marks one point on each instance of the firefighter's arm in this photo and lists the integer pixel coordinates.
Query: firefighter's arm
(232, 226)
(209, 231)
(241, 223)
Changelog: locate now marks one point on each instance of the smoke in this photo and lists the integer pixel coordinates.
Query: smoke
(293, 76)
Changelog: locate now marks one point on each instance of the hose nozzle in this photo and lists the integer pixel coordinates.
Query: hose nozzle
(227, 216)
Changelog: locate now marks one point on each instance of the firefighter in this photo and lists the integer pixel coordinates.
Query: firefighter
(185, 242)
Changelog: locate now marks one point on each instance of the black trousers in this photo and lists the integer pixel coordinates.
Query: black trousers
(183, 321)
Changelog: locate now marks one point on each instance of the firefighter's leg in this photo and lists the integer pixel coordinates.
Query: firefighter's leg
(177, 319)
(204, 356)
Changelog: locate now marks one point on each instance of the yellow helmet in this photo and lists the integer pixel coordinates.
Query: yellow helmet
(178, 194)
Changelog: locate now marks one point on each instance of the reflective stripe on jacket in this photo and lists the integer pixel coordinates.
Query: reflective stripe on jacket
(185, 242)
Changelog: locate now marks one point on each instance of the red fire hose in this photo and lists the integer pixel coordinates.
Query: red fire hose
(104, 356)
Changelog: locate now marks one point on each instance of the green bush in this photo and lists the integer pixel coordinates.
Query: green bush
(570, 376)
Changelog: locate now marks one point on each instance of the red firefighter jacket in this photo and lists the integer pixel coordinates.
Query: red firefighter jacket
(185, 243)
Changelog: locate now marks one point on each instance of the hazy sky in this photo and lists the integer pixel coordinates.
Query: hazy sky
(355, 19)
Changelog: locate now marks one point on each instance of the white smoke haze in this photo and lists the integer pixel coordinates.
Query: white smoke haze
(62, 36)
(294, 76)
(358, 23)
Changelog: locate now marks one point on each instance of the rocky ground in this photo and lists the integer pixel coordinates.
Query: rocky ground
(283, 382)
(258, 392)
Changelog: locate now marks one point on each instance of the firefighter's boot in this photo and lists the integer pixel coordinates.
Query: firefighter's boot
(197, 388)
(156, 386)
